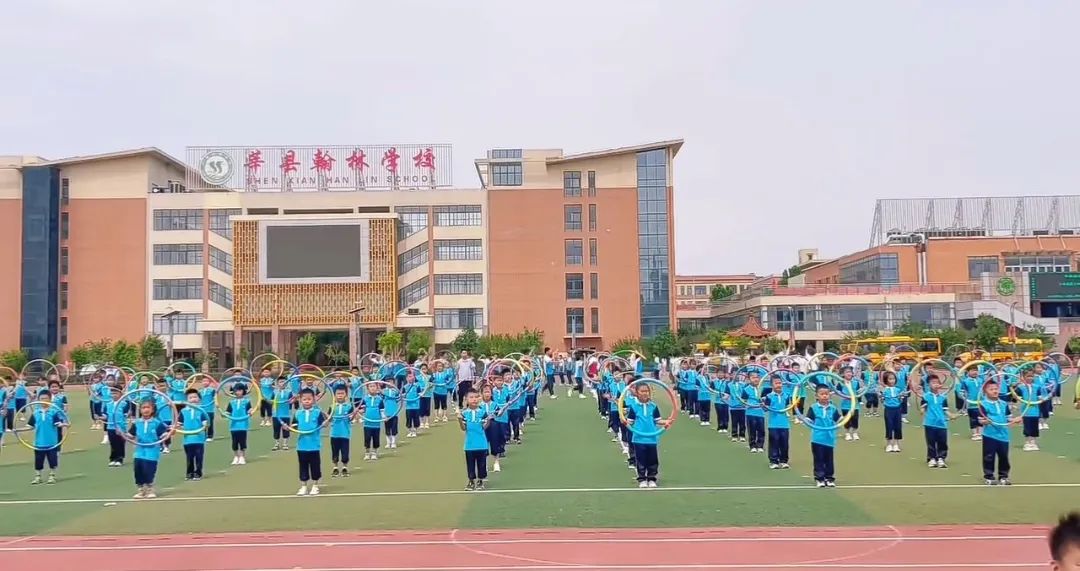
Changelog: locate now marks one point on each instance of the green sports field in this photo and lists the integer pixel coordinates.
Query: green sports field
(567, 474)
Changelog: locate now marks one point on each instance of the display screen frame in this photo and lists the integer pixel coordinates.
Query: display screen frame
(364, 276)
(1055, 286)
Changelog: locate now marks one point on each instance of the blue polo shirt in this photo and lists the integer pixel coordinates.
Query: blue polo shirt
(282, 404)
(475, 438)
(373, 410)
(239, 411)
(411, 391)
(193, 419)
(147, 433)
(936, 405)
(820, 418)
(44, 420)
(644, 416)
(776, 405)
(998, 412)
(309, 421)
(391, 402)
(892, 396)
(341, 419)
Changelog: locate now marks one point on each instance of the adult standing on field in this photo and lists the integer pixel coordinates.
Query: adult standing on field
(466, 372)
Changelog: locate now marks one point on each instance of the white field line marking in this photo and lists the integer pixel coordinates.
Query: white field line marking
(528, 491)
(146, 545)
(684, 566)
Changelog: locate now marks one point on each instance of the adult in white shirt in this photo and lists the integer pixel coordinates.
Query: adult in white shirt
(466, 373)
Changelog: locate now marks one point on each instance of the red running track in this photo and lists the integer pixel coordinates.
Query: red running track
(932, 547)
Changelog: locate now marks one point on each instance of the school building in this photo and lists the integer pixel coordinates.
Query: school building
(942, 262)
(253, 246)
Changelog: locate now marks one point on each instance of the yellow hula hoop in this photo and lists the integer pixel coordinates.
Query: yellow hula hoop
(1019, 374)
(848, 395)
(19, 432)
(620, 403)
(256, 358)
(254, 392)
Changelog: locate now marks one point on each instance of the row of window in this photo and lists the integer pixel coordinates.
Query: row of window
(575, 286)
(878, 269)
(574, 253)
(412, 258)
(1015, 264)
(178, 219)
(459, 284)
(572, 183)
(572, 217)
(220, 221)
(575, 321)
(506, 174)
(413, 219)
(464, 318)
(183, 324)
(221, 295)
(191, 254)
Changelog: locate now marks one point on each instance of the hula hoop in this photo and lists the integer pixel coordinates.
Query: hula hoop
(33, 407)
(834, 380)
(1016, 394)
(354, 411)
(255, 359)
(660, 428)
(190, 382)
(138, 404)
(1007, 423)
(763, 396)
(23, 373)
(171, 369)
(295, 428)
(813, 362)
(254, 393)
(951, 373)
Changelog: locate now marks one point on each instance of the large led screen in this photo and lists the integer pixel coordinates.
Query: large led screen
(302, 251)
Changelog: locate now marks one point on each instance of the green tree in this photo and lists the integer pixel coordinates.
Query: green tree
(988, 330)
(1038, 332)
(149, 348)
(417, 343)
(720, 291)
(914, 329)
(1073, 346)
(715, 338)
(789, 273)
(773, 345)
(390, 343)
(336, 354)
(15, 359)
(741, 344)
(124, 354)
(949, 336)
(628, 343)
(530, 341)
(243, 353)
(306, 348)
(664, 344)
(467, 340)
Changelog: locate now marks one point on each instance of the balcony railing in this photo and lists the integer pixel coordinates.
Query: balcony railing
(960, 289)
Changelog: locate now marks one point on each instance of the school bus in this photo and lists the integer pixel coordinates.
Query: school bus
(726, 345)
(901, 346)
(1026, 350)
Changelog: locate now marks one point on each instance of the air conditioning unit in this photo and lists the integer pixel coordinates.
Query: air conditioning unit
(177, 186)
(412, 311)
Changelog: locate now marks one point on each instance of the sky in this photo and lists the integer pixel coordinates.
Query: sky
(797, 116)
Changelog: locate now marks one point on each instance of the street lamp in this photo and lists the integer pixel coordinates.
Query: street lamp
(357, 313)
(170, 316)
(1012, 327)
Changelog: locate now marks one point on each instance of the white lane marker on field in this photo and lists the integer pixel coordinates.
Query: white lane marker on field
(490, 491)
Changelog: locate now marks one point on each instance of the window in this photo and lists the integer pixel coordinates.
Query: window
(221, 295)
(1040, 263)
(459, 284)
(65, 225)
(878, 269)
(465, 318)
(63, 295)
(979, 264)
(190, 288)
(459, 250)
(413, 293)
(506, 174)
(506, 153)
(592, 183)
(178, 219)
(460, 215)
(183, 324)
(571, 183)
(178, 254)
(594, 318)
(65, 191)
(412, 258)
(594, 285)
(784, 318)
(654, 262)
(221, 260)
(575, 321)
(701, 290)
(592, 251)
(572, 217)
(592, 217)
(573, 251)
(64, 261)
(221, 223)
(63, 330)
(575, 286)
(411, 219)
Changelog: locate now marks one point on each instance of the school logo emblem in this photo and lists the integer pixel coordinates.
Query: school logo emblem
(216, 168)
(1006, 286)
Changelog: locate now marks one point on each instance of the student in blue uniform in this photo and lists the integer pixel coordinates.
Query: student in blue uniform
(146, 431)
(207, 394)
(194, 423)
(308, 422)
(720, 400)
(373, 415)
(643, 414)
(474, 421)
(892, 398)
(266, 403)
(45, 418)
(971, 387)
(114, 416)
(516, 412)
(392, 397)
(936, 416)
(283, 400)
(1033, 395)
(737, 409)
(59, 400)
(704, 395)
(492, 431)
(443, 381)
(93, 390)
(7, 410)
(853, 386)
(239, 411)
(341, 417)
(995, 419)
(776, 403)
(500, 395)
(427, 386)
(755, 415)
(22, 394)
(821, 418)
(410, 391)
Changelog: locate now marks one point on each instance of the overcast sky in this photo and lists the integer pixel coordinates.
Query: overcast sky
(796, 115)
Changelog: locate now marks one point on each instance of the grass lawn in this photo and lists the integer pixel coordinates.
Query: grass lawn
(567, 474)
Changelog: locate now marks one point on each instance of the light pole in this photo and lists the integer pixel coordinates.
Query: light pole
(1012, 327)
(357, 313)
(170, 316)
(573, 330)
(791, 328)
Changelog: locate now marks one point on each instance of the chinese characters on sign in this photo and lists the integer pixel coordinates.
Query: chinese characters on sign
(324, 168)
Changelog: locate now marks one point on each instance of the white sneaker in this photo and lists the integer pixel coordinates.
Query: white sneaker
(905, 420)
(888, 447)
(211, 439)
(820, 484)
(931, 464)
(774, 466)
(139, 495)
(367, 456)
(830, 484)
(616, 439)
(165, 450)
(652, 484)
(242, 461)
(703, 423)
(940, 463)
(643, 484)
(314, 491)
(784, 465)
(235, 461)
(569, 393)
(302, 491)
(847, 437)
(855, 436)
(1034, 447)
(581, 396)
(496, 467)
(374, 456)
(150, 495)
(553, 397)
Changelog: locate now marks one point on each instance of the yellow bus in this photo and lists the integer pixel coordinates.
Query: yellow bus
(874, 349)
(726, 345)
(1026, 350)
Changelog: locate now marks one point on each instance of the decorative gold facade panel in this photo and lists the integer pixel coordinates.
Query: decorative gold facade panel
(300, 305)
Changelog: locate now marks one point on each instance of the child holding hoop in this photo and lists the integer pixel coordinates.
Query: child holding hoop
(46, 420)
(266, 403)
(373, 414)
(283, 398)
(238, 412)
(643, 414)
(1031, 395)
(443, 381)
(971, 387)
(391, 410)
(892, 397)
(720, 402)
(193, 424)
(848, 389)
(411, 392)
(936, 416)
(426, 387)
(755, 415)
(114, 416)
(308, 422)
(777, 403)
(474, 420)
(821, 419)
(146, 433)
(737, 409)
(341, 417)
(995, 419)
(492, 431)
(704, 395)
